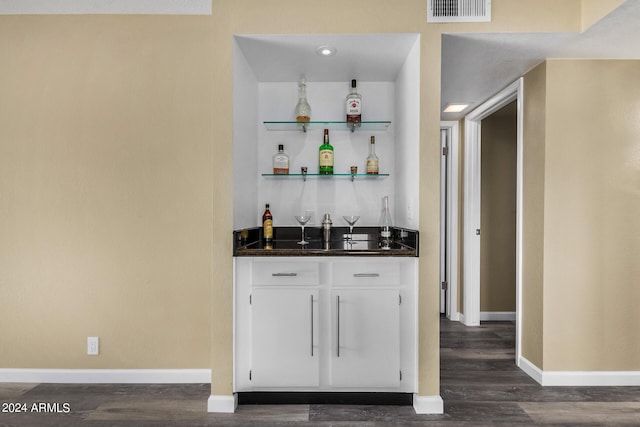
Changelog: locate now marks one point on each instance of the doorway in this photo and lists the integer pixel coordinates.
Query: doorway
(449, 219)
(472, 206)
(498, 215)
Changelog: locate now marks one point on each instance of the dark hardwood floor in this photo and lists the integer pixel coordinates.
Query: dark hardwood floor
(480, 384)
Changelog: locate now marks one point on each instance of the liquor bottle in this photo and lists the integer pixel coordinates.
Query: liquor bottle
(326, 156)
(385, 224)
(303, 109)
(354, 105)
(267, 226)
(372, 159)
(281, 162)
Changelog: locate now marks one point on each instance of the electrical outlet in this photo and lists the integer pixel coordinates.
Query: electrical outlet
(93, 345)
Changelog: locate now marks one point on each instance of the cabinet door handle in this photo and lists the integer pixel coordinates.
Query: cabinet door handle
(366, 275)
(311, 325)
(338, 326)
(284, 274)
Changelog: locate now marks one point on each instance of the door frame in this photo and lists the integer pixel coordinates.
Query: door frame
(472, 205)
(450, 234)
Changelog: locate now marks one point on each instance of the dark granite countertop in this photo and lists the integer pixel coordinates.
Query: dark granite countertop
(363, 242)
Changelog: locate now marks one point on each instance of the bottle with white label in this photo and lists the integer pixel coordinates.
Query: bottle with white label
(372, 159)
(281, 162)
(354, 105)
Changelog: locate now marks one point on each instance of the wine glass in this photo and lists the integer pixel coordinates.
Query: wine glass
(302, 220)
(351, 220)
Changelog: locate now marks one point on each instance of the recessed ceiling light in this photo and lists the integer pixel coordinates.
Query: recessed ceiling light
(326, 50)
(455, 108)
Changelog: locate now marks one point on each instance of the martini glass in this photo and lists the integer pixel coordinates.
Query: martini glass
(303, 219)
(351, 220)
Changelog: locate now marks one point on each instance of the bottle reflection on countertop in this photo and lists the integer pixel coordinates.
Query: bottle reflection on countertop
(385, 225)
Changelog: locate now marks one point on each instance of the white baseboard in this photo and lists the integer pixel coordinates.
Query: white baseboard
(111, 376)
(580, 378)
(488, 316)
(428, 404)
(455, 316)
(222, 403)
(465, 322)
(497, 316)
(530, 369)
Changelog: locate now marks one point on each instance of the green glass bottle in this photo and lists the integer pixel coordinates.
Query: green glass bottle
(326, 156)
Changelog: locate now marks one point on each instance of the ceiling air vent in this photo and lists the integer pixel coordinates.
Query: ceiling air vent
(459, 11)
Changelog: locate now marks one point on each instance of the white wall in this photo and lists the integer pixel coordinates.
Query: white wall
(407, 119)
(338, 195)
(245, 135)
(397, 148)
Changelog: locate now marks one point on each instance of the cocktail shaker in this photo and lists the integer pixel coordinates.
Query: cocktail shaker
(326, 229)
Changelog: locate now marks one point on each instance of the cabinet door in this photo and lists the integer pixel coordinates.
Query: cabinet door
(284, 324)
(366, 338)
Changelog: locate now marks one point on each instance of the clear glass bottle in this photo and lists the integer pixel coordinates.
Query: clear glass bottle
(372, 159)
(281, 162)
(303, 109)
(354, 105)
(385, 225)
(325, 162)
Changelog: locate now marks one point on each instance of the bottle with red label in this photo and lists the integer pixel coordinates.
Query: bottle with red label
(354, 105)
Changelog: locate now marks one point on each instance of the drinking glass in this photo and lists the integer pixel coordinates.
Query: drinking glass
(351, 220)
(303, 219)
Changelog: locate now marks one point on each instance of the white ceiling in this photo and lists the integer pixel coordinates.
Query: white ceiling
(476, 66)
(53, 7)
(367, 57)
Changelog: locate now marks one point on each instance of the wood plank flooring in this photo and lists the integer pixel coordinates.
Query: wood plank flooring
(480, 384)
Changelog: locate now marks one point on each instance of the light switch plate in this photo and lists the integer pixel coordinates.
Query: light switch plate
(93, 346)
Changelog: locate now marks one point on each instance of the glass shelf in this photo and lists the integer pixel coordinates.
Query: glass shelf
(305, 126)
(317, 175)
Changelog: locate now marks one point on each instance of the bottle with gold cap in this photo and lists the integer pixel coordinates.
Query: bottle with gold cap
(267, 226)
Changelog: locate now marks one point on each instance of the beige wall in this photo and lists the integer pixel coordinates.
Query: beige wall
(581, 228)
(115, 157)
(498, 211)
(533, 191)
(591, 221)
(594, 10)
(105, 191)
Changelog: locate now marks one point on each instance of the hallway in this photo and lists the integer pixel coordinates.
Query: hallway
(480, 381)
(480, 385)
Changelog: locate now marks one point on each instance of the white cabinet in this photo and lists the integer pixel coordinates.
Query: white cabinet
(285, 273)
(284, 324)
(325, 324)
(366, 273)
(367, 338)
